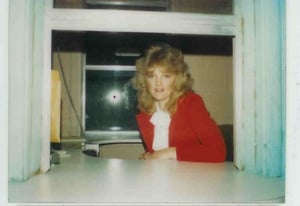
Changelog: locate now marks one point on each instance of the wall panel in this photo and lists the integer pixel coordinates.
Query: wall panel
(72, 68)
(213, 80)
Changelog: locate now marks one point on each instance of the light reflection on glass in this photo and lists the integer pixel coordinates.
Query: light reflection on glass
(114, 96)
(115, 128)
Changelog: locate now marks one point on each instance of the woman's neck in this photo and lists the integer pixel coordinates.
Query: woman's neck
(160, 106)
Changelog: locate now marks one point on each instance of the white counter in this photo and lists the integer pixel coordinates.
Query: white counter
(84, 179)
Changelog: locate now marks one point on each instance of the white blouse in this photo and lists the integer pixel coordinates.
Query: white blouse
(161, 121)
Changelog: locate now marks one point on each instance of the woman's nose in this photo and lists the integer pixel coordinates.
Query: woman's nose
(157, 81)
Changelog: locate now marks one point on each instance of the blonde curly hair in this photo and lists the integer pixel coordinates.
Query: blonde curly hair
(172, 61)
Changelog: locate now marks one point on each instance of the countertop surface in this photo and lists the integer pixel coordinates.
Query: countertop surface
(80, 178)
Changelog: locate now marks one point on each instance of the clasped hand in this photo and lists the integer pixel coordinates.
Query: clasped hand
(168, 153)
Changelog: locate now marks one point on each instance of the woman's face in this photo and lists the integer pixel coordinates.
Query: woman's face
(160, 85)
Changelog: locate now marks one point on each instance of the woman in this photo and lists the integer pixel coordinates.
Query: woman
(173, 120)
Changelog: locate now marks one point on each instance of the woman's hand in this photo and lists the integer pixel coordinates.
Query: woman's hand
(168, 153)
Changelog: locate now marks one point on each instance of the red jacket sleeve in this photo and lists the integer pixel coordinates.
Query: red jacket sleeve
(147, 130)
(211, 145)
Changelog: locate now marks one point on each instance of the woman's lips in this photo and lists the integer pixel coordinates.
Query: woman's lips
(158, 90)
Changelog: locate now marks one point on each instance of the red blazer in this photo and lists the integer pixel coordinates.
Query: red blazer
(192, 131)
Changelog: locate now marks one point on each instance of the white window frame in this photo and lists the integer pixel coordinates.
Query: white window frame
(133, 21)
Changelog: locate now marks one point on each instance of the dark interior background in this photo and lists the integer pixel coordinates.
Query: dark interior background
(101, 47)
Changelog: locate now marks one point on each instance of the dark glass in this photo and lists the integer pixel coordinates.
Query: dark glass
(111, 103)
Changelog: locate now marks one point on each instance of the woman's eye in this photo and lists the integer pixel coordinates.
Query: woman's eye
(167, 76)
(149, 75)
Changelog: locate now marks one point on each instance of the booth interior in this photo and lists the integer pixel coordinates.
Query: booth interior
(96, 103)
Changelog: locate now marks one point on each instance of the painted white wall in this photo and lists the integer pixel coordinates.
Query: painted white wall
(260, 121)
(25, 91)
(292, 102)
(4, 98)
